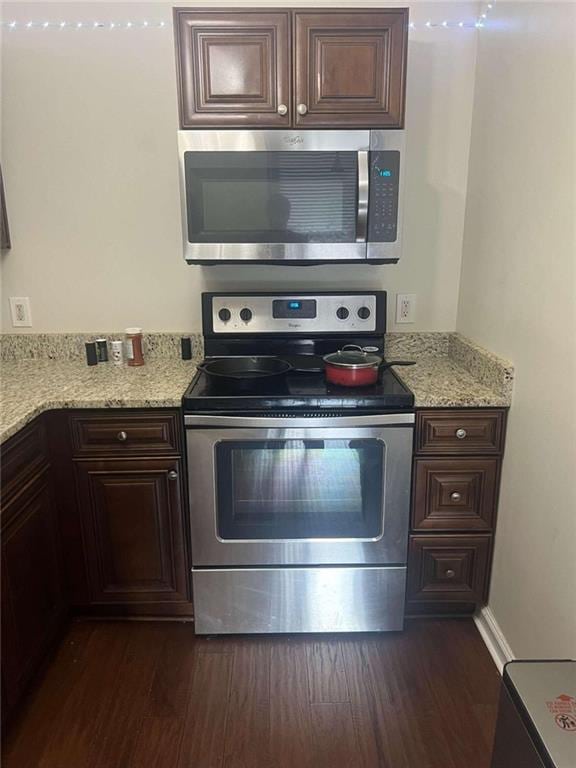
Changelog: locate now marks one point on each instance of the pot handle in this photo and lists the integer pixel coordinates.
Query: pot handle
(389, 364)
(352, 346)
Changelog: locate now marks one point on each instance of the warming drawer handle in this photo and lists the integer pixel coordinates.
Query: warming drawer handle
(377, 420)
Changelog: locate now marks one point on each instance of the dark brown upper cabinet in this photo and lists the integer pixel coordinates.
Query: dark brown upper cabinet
(234, 68)
(350, 68)
(282, 68)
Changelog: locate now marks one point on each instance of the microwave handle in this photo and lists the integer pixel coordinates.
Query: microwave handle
(362, 212)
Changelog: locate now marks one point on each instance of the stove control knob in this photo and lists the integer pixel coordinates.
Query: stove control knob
(224, 315)
(364, 313)
(342, 313)
(246, 314)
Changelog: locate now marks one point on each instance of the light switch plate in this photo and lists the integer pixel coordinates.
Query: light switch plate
(20, 311)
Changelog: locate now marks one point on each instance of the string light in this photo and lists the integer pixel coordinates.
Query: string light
(477, 23)
(83, 25)
(483, 17)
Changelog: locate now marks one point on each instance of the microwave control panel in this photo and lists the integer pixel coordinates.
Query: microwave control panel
(383, 196)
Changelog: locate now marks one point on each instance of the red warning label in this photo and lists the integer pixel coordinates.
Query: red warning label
(563, 708)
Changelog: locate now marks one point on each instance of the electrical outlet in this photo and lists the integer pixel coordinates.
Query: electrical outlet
(20, 311)
(405, 307)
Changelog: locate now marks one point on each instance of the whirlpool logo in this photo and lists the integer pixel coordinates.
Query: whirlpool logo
(294, 140)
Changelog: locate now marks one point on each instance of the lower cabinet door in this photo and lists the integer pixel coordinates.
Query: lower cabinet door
(448, 569)
(33, 598)
(133, 531)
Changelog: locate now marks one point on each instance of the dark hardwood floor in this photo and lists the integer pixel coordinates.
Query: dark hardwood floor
(137, 695)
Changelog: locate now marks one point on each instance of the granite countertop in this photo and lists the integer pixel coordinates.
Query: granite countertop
(439, 382)
(29, 387)
(451, 372)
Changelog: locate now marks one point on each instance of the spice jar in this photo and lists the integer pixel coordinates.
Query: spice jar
(134, 354)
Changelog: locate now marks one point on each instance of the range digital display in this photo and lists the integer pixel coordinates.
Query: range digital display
(286, 308)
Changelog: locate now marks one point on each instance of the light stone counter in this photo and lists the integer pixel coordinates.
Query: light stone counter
(451, 372)
(29, 387)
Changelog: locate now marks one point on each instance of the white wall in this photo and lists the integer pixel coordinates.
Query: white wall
(518, 298)
(90, 162)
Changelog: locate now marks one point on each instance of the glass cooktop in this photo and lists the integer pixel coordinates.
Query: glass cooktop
(302, 389)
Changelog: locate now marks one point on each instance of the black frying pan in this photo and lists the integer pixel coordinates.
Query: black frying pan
(245, 372)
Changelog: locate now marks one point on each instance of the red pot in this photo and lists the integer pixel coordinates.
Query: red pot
(354, 367)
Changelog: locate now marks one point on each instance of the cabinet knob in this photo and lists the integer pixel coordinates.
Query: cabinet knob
(455, 496)
(449, 573)
(122, 436)
(302, 109)
(461, 434)
(172, 475)
(282, 109)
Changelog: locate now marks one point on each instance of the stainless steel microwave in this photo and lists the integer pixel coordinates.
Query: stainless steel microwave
(291, 197)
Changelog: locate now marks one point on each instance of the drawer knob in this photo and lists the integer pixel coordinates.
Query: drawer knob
(172, 475)
(302, 109)
(461, 434)
(455, 496)
(449, 573)
(122, 436)
(282, 109)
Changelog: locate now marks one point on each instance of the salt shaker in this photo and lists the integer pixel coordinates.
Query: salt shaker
(117, 352)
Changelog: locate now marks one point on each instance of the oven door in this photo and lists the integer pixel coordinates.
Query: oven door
(274, 195)
(269, 491)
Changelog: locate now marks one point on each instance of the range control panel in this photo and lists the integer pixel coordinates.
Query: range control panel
(383, 203)
(293, 313)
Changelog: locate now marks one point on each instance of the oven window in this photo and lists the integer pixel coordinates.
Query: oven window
(300, 489)
(271, 197)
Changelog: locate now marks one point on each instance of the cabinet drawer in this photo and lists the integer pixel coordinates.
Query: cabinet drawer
(465, 431)
(448, 568)
(23, 456)
(454, 494)
(125, 434)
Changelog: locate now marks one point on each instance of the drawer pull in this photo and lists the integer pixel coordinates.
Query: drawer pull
(122, 436)
(455, 496)
(449, 573)
(172, 475)
(461, 434)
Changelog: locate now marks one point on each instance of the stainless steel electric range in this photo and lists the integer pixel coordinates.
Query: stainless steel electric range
(299, 490)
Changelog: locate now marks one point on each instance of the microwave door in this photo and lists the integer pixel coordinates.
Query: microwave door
(276, 205)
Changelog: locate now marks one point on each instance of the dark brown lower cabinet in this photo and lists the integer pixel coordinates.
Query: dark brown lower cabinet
(451, 569)
(455, 479)
(93, 523)
(34, 604)
(132, 526)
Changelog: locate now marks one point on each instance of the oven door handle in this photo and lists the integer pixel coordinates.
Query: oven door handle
(363, 182)
(376, 420)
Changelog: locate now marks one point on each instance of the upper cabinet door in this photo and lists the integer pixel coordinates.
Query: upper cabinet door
(350, 68)
(234, 68)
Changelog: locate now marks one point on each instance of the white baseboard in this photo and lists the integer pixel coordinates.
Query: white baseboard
(493, 637)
